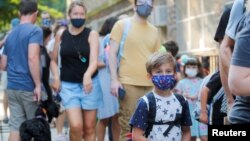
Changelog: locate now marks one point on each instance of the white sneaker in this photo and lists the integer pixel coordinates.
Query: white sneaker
(62, 137)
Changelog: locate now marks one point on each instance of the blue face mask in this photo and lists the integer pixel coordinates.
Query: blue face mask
(77, 22)
(164, 82)
(144, 10)
(46, 22)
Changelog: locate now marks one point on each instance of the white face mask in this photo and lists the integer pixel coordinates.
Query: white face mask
(191, 72)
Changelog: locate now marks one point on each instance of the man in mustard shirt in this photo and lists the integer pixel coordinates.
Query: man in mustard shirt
(142, 40)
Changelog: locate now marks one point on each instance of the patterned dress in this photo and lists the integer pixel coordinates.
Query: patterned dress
(191, 87)
(111, 105)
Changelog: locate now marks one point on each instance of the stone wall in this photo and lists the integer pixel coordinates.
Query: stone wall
(192, 23)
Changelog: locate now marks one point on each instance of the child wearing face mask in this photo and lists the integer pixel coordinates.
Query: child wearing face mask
(160, 114)
(189, 88)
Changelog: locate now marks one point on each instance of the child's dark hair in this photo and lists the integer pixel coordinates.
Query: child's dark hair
(135, 2)
(171, 46)
(157, 59)
(107, 26)
(194, 62)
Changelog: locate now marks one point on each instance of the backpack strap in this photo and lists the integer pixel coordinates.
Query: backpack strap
(105, 41)
(151, 104)
(127, 27)
(177, 120)
(105, 46)
(181, 99)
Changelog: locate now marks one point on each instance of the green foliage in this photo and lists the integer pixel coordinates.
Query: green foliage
(59, 5)
(55, 14)
(9, 10)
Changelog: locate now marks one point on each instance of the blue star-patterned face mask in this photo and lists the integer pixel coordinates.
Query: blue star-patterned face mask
(164, 82)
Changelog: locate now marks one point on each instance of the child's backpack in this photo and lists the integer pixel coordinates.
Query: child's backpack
(151, 104)
(106, 41)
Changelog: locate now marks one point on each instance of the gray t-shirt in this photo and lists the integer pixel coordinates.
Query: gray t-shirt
(16, 50)
(235, 16)
(240, 112)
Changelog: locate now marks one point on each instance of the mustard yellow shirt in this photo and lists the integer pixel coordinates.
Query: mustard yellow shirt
(142, 40)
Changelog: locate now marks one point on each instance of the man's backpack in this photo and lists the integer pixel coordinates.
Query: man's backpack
(106, 44)
(151, 104)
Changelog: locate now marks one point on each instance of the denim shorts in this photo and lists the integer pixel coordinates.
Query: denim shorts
(73, 95)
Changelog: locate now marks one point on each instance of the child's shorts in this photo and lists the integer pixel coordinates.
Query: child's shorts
(73, 95)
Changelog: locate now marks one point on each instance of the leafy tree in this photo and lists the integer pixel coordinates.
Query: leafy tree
(9, 9)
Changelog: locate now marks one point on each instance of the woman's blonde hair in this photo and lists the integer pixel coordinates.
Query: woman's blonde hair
(159, 58)
(77, 3)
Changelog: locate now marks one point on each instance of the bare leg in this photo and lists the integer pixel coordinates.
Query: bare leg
(101, 128)
(74, 116)
(14, 136)
(60, 123)
(203, 138)
(116, 127)
(89, 124)
(5, 104)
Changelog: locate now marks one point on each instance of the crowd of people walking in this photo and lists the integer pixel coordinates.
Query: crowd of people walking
(123, 77)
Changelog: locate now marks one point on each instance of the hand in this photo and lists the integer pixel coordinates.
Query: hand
(193, 98)
(56, 85)
(204, 117)
(115, 85)
(37, 93)
(87, 84)
(186, 95)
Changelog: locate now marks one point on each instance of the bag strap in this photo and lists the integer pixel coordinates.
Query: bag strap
(123, 39)
(218, 95)
(105, 41)
(151, 104)
(181, 99)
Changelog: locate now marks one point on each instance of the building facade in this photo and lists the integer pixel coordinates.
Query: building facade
(194, 22)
